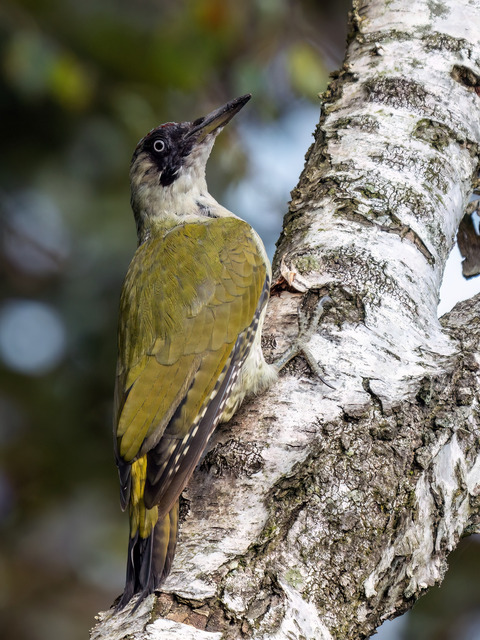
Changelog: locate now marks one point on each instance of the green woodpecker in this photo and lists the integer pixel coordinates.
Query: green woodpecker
(191, 314)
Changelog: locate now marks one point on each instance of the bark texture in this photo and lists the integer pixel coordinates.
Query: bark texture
(319, 513)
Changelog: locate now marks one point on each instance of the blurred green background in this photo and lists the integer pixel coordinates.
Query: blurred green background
(80, 83)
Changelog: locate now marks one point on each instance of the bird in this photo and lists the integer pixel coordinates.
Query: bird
(191, 313)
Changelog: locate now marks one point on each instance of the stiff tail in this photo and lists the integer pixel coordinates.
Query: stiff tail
(150, 558)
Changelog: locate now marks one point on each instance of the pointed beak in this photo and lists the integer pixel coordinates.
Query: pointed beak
(216, 120)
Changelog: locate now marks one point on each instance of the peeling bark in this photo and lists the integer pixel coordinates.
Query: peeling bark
(319, 513)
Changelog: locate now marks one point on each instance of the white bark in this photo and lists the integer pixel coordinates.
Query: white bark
(318, 513)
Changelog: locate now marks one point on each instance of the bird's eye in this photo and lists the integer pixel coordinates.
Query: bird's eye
(159, 146)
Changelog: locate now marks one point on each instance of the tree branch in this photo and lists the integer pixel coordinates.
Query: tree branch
(319, 513)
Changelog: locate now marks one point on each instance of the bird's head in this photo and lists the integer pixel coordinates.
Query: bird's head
(167, 173)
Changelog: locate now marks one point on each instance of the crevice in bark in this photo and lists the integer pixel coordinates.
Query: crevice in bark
(350, 212)
(467, 77)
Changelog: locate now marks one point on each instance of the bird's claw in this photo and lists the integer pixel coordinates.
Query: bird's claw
(307, 325)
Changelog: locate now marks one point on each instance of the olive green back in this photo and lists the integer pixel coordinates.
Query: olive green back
(186, 298)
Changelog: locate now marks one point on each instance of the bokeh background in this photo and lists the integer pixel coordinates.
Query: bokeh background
(80, 83)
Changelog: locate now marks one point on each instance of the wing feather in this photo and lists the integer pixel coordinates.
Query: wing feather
(188, 299)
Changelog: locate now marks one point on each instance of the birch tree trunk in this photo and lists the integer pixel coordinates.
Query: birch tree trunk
(318, 513)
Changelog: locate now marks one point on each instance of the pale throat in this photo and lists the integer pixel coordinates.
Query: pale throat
(158, 208)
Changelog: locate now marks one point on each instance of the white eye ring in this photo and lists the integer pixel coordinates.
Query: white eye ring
(159, 146)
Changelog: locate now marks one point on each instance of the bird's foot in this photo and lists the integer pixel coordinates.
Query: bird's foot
(307, 326)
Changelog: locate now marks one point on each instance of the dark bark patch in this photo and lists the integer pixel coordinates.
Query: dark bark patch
(233, 458)
(399, 93)
(466, 77)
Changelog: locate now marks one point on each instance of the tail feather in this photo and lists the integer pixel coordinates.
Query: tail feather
(164, 546)
(150, 559)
